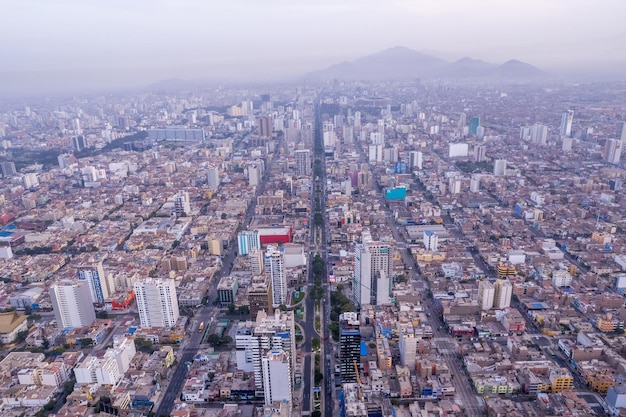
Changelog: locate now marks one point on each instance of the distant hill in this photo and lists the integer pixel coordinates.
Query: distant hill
(402, 63)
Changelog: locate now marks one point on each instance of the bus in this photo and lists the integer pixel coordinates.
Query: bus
(201, 326)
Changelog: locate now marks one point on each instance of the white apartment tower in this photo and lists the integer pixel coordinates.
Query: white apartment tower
(72, 306)
(487, 295)
(277, 377)
(275, 267)
(370, 259)
(213, 178)
(156, 302)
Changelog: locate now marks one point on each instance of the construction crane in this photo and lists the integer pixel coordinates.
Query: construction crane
(358, 378)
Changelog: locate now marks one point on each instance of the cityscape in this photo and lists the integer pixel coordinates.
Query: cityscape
(403, 233)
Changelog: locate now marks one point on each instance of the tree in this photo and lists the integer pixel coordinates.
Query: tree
(316, 413)
(86, 342)
(315, 344)
(102, 314)
(231, 308)
(21, 336)
(213, 340)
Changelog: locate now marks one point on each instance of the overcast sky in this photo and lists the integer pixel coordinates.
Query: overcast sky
(193, 38)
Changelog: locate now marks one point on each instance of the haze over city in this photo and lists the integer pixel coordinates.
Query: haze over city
(123, 44)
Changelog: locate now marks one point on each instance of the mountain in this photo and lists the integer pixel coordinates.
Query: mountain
(518, 69)
(402, 63)
(393, 63)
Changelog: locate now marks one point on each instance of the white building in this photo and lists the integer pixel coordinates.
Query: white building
(277, 377)
(248, 240)
(408, 349)
(157, 302)
(499, 167)
(561, 278)
(213, 178)
(431, 240)
(457, 150)
(370, 258)
(72, 305)
(267, 334)
(487, 295)
(303, 162)
(275, 267)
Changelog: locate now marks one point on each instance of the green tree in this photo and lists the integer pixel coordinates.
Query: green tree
(315, 344)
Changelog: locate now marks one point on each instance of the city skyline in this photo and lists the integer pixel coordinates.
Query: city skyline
(115, 44)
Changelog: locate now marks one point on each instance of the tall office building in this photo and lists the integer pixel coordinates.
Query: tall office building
(266, 335)
(473, 125)
(182, 206)
(503, 291)
(275, 267)
(248, 240)
(349, 346)
(566, 123)
(303, 162)
(78, 143)
(71, 303)
(157, 302)
(101, 286)
(372, 269)
(213, 178)
(613, 151)
(260, 295)
(499, 167)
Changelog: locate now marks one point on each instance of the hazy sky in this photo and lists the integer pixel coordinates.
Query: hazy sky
(192, 38)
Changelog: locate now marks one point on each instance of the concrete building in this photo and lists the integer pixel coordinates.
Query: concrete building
(370, 259)
(182, 205)
(157, 302)
(487, 295)
(277, 377)
(72, 305)
(248, 240)
(503, 291)
(349, 346)
(303, 162)
(100, 285)
(275, 267)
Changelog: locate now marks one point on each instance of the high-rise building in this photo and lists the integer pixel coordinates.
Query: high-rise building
(157, 302)
(475, 183)
(407, 344)
(621, 132)
(473, 125)
(248, 240)
(480, 152)
(101, 286)
(487, 294)
(613, 151)
(499, 167)
(503, 291)
(267, 334)
(370, 259)
(8, 169)
(256, 260)
(431, 240)
(415, 160)
(71, 303)
(265, 126)
(275, 267)
(566, 123)
(539, 134)
(213, 178)
(78, 143)
(182, 205)
(303, 162)
(277, 377)
(349, 346)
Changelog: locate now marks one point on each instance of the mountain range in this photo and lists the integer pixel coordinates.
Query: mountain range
(402, 63)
